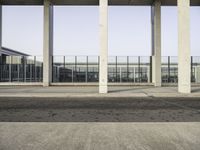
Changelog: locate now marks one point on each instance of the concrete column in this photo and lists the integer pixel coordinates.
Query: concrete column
(156, 42)
(184, 59)
(103, 24)
(47, 43)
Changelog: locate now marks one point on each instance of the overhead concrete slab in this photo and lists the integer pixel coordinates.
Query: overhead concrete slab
(96, 2)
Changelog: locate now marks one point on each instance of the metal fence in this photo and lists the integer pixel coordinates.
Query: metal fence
(170, 69)
(71, 69)
(86, 69)
(21, 69)
(75, 69)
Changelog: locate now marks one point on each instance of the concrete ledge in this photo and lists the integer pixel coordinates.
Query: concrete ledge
(75, 84)
(96, 95)
(96, 84)
(21, 83)
(90, 84)
(176, 84)
(72, 95)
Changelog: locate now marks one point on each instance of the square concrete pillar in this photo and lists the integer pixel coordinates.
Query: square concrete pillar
(47, 43)
(184, 59)
(103, 25)
(156, 42)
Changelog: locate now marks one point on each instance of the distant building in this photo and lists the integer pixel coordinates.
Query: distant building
(16, 66)
(10, 52)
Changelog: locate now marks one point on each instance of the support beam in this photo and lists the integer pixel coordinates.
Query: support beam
(103, 25)
(156, 42)
(48, 43)
(184, 68)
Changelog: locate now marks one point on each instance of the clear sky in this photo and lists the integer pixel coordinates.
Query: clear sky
(76, 30)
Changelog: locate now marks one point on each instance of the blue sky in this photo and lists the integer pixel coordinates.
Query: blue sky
(76, 30)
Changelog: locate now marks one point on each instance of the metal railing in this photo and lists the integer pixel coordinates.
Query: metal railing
(70, 69)
(170, 69)
(21, 69)
(86, 69)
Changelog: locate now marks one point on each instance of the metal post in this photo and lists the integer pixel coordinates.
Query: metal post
(127, 68)
(10, 69)
(25, 61)
(72, 64)
(18, 69)
(116, 69)
(31, 69)
(64, 67)
(169, 69)
(191, 69)
(41, 72)
(120, 74)
(139, 76)
(98, 67)
(150, 72)
(64, 61)
(35, 69)
(75, 72)
(86, 69)
(134, 74)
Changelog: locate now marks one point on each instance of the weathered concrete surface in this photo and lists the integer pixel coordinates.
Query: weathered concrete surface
(92, 91)
(99, 136)
(99, 123)
(103, 29)
(106, 109)
(47, 43)
(156, 42)
(184, 54)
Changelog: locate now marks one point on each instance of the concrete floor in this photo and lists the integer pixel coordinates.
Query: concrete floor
(92, 91)
(97, 109)
(99, 136)
(128, 118)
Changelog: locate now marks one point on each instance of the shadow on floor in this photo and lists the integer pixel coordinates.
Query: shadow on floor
(100, 109)
(196, 90)
(127, 89)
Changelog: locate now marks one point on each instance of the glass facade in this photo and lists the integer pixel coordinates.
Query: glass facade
(80, 69)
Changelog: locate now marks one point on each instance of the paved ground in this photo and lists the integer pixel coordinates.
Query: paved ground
(99, 136)
(95, 122)
(92, 91)
(107, 109)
